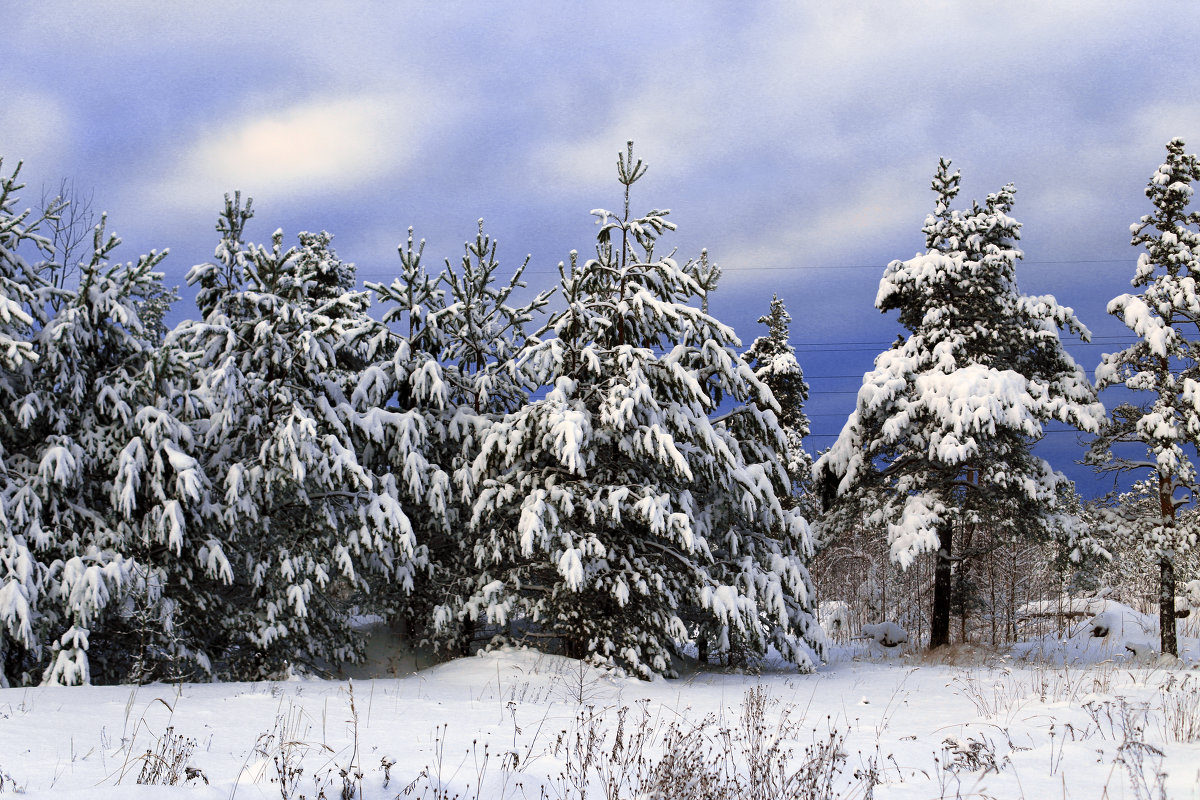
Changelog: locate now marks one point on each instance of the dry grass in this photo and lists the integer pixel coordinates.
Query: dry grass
(961, 655)
(766, 753)
(1179, 700)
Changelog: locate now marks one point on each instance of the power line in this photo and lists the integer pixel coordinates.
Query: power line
(810, 267)
(888, 343)
(727, 270)
(874, 348)
(1044, 433)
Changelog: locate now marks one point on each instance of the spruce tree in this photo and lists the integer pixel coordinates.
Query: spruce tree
(774, 362)
(612, 506)
(944, 425)
(1165, 363)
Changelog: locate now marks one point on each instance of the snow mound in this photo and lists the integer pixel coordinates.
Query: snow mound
(885, 634)
(1111, 630)
(834, 616)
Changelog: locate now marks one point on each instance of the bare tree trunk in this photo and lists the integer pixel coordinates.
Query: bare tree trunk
(573, 647)
(963, 577)
(1166, 570)
(939, 622)
(1166, 605)
(992, 588)
(1012, 590)
(468, 637)
(883, 593)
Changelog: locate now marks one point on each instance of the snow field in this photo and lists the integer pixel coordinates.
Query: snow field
(519, 724)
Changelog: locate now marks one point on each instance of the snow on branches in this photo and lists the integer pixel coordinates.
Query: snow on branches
(613, 513)
(1164, 363)
(943, 427)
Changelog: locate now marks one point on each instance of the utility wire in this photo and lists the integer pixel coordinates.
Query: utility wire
(1044, 433)
(812, 267)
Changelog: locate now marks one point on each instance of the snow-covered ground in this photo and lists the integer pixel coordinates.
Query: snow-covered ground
(1085, 720)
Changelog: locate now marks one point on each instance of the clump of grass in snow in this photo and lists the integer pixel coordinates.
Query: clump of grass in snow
(611, 753)
(1180, 701)
(166, 764)
(8, 782)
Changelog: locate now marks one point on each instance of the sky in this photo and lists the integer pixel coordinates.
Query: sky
(795, 141)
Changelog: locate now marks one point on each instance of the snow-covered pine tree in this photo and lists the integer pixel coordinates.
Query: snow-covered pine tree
(93, 350)
(442, 374)
(766, 560)
(409, 401)
(69, 409)
(483, 330)
(21, 573)
(774, 362)
(17, 278)
(1119, 562)
(298, 526)
(166, 505)
(604, 503)
(324, 279)
(1165, 363)
(943, 431)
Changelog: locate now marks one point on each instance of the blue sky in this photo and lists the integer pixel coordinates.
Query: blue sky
(793, 140)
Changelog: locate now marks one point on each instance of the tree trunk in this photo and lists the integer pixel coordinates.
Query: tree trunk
(1168, 643)
(1166, 606)
(963, 588)
(939, 623)
(468, 637)
(573, 647)
(1012, 590)
(992, 587)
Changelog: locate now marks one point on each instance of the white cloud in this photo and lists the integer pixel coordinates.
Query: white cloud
(823, 82)
(324, 145)
(35, 128)
(671, 128)
(1156, 124)
(889, 207)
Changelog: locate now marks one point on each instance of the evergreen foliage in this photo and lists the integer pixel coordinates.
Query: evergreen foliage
(1164, 363)
(73, 359)
(774, 362)
(446, 375)
(289, 525)
(944, 425)
(612, 506)
(221, 500)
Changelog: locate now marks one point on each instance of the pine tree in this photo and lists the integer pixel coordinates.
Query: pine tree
(612, 507)
(173, 627)
(1165, 364)
(69, 407)
(297, 525)
(774, 362)
(446, 368)
(944, 426)
(17, 280)
(483, 331)
(21, 573)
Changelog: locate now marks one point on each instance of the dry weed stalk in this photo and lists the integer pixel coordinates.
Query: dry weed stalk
(166, 764)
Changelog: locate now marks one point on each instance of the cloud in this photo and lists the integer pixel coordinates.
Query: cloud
(35, 128)
(324, 145)
(817, 83)
(1157, 123)
(669, 128)
(887, 208)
